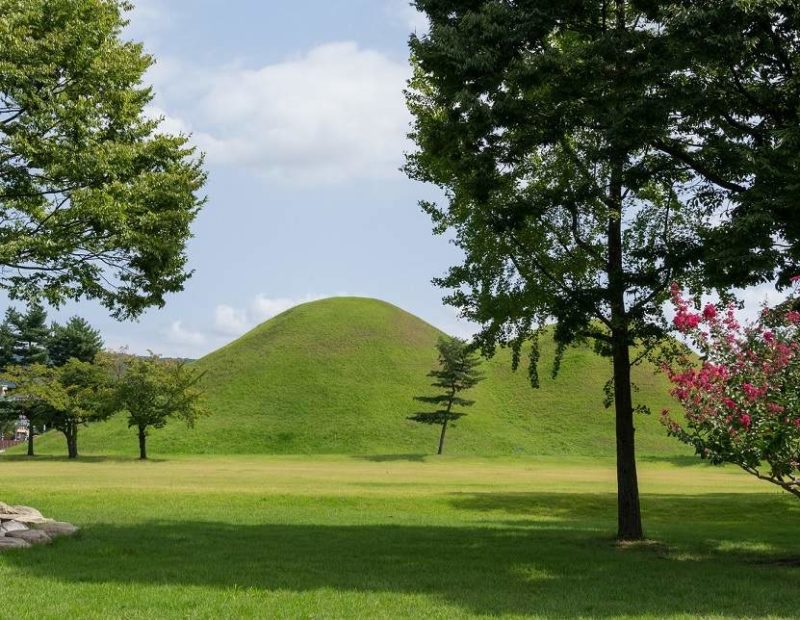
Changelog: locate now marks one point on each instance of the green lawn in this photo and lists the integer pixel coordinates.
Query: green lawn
(224, 537)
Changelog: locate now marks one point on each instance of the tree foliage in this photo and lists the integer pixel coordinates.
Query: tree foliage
(457, 372)
(29, 335)
(24, 338)
(738, 127)
(75, 339)
(151, 390)
(95, 201)
(742, 401)
(72, 395)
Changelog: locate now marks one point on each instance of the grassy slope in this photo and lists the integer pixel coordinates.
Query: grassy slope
(339, 376)
(339, 537)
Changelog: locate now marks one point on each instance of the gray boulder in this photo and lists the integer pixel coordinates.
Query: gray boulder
(23, 518)
(56, 528)
(12, 526)
(7, 543)
(34, 537)
(28, 511)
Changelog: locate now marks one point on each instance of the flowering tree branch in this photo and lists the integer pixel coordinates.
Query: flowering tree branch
(741, 404)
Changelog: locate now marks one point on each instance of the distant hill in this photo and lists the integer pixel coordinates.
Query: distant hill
(339, 376)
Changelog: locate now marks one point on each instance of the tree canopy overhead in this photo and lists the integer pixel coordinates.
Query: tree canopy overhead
(576, 147)
(738, 127)
(95, 201)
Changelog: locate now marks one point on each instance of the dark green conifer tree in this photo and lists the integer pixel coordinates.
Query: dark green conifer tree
(75, 339)
(457, 372)
(31, 335)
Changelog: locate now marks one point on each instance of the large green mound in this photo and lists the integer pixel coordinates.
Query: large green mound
(339, 376)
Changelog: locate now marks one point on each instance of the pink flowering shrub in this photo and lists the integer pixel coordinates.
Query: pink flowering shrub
(741, 403)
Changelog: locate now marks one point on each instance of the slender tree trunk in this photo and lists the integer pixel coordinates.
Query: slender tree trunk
(142, 443)
(446, 420)
(30, 439)
(441, 437)
(629, 518)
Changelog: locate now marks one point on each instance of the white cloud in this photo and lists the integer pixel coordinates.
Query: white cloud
(263, 307)
(409, 15)
(230, 321)
(755, 297)
(148, 17)
(179, 335)
(333, 114)
(169, 124)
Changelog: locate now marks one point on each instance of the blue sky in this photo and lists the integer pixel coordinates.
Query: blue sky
(299, 108)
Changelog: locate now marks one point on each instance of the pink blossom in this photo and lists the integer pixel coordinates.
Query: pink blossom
(795, 278)
(793, 317)
(686, 321)
(775, 408)
(752, 392)
(710, 312)
(745, 420)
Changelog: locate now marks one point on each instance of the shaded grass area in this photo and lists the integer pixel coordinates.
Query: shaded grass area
(338, 537)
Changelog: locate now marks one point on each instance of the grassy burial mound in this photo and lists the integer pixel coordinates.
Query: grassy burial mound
(339, 376)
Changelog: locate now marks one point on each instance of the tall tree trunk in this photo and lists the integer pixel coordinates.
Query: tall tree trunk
(629, 517)
(71, 433)
(142, 443)
(441, 437)
(446, 420)
(30, 438)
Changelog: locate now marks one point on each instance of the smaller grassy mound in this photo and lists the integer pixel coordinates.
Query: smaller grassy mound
(340, 376)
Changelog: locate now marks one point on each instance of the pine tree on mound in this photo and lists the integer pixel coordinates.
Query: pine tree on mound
(457, 371)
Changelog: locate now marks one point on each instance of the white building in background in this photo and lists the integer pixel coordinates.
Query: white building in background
(22, 429)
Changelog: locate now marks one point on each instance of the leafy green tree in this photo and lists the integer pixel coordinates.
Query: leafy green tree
(74, 395)
(550, 127)
(28, 335)
(151, 390)
(76, 339)
(457, 372)
(97, 202)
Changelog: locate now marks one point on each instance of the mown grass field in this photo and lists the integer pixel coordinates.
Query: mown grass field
(395, 536)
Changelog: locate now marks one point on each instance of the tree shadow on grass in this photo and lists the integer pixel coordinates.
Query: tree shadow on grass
(391, 458)
(563, 567)
(50, 458)
(679, 461)
(748, 510)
